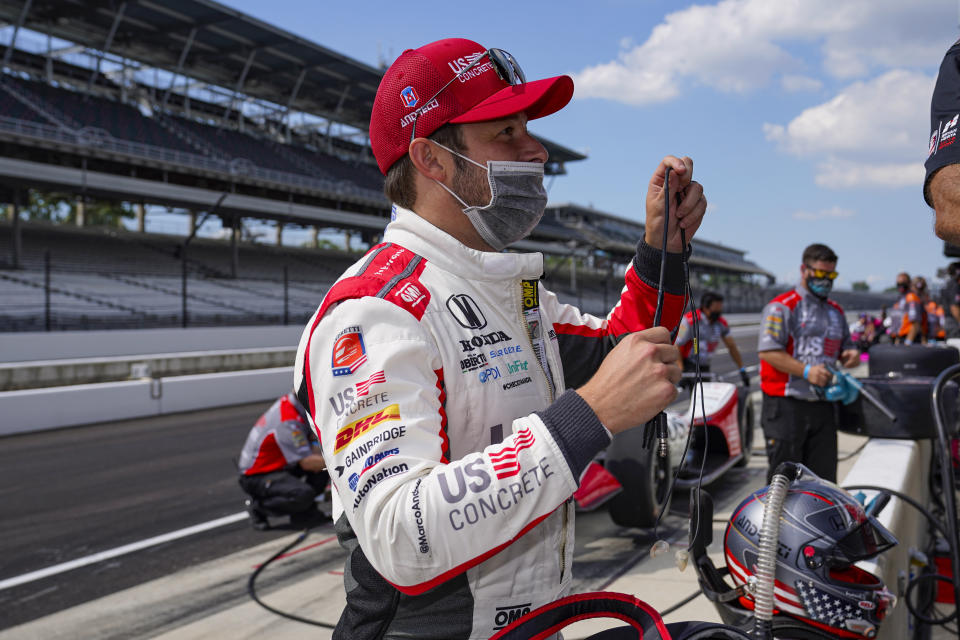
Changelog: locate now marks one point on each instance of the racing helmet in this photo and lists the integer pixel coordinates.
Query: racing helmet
(823, 532)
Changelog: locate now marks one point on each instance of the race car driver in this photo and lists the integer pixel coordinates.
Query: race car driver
(713, 328)
(435, 368)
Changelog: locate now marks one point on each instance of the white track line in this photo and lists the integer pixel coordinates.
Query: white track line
(119, 551)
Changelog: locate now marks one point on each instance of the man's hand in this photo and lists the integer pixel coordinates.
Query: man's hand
(690, 211)
(819, 375)
(313, 462)
(850, 358)
(636, 381)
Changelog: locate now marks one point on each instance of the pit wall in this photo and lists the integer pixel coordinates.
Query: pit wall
(60, 345)
(904, 466)
(67, 406)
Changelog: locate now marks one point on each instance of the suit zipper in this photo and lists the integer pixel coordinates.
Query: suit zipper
(538, 356)
(551, 394)
(563, 539)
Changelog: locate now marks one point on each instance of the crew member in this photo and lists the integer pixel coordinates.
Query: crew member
(908, 317)
(281, 466)
(713, 328)
(803, 333)
(435, 368)
(941, 186)
(932, 311)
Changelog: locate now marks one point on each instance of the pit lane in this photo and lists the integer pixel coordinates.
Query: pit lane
(75, 492)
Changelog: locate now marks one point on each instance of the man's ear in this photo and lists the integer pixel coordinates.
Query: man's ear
(423, 156)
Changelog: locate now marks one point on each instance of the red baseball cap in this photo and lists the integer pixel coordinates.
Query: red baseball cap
(480, 95)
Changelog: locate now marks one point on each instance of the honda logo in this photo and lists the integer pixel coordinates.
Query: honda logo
(466, 311)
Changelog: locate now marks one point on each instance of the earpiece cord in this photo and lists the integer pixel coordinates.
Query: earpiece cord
(663, 246)
(660, 418)
(688, 302)
(688, 295)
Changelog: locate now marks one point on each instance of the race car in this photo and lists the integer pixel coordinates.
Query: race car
(634, 481)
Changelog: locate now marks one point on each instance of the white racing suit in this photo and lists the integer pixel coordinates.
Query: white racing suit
(435, 375)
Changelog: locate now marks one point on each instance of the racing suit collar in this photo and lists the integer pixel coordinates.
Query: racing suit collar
(412, 232)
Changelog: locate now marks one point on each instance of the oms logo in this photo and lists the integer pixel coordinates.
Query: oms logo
(354, 430)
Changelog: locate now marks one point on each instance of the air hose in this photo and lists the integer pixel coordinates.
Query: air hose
(767, 560)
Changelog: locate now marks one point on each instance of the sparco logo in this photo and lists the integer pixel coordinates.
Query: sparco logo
(466, 312)
(509, 614)
(484, 338)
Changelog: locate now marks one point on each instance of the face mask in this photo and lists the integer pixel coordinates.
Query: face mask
(903, 288)
(713, 317)
(517, 201)
(820, 287)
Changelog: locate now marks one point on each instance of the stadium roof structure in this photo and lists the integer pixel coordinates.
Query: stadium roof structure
(588, 227)
(213, 43)
(50, 140)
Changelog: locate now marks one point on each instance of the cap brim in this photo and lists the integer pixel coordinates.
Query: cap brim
(536, 99)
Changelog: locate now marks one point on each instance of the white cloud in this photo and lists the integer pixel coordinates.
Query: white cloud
(795, 83)
(887, 114)
(832, 212)
(740, 45)
(866, 135)
(846, 174)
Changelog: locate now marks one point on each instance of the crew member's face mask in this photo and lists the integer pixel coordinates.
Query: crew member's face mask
(713, 316)
(903, 287)
(820, 287)
(517, 201)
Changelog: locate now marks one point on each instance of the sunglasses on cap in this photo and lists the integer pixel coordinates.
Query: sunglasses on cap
(820, 273)
(504, 64)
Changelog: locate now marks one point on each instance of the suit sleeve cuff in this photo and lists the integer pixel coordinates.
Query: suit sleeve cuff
(646, 264)
(576, 429)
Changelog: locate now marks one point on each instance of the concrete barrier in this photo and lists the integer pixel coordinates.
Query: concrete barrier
(58, 345)
(74, 405)
(33, 374)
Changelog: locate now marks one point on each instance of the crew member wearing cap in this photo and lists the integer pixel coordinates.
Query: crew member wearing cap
(457, 400)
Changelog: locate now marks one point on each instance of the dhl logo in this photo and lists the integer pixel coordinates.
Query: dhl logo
(354, 430)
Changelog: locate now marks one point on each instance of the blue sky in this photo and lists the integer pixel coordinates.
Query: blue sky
(807, 119)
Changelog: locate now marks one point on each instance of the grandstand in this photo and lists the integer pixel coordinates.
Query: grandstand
(196, 107)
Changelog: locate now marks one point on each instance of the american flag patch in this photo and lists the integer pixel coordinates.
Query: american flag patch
(824, 607)
(363, 388)
(505, 463)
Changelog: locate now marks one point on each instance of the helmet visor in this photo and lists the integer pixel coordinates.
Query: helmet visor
(864, 541)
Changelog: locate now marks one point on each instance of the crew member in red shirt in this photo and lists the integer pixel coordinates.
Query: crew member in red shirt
(713, 329)
(803, 333)
(281, 466)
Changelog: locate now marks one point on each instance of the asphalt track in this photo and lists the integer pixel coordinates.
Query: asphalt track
(70, 494)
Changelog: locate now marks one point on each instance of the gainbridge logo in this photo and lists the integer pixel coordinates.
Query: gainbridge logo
(354, 430)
